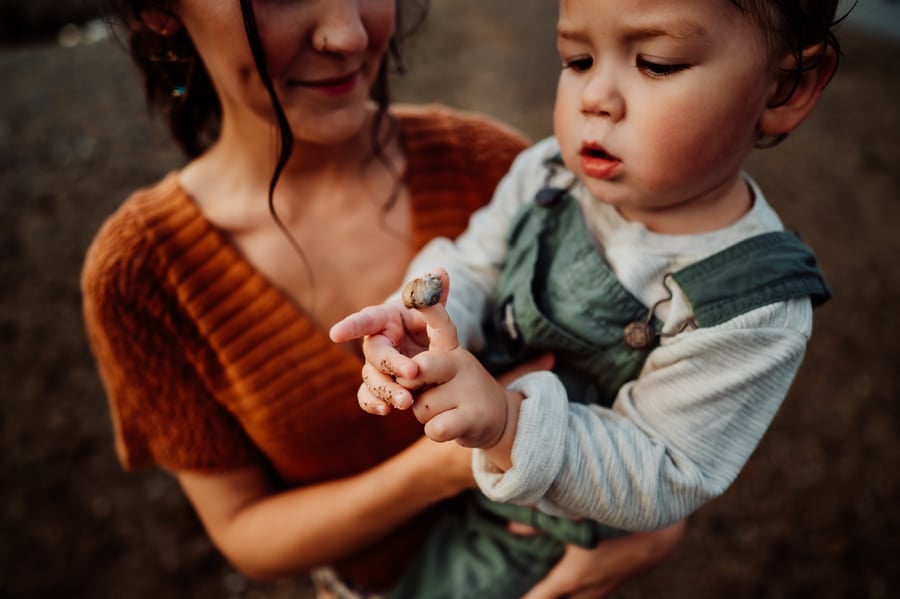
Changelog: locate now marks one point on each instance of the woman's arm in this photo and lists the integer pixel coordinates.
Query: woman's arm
(268, 534)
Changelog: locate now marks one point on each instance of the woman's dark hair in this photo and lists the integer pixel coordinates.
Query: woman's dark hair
(795, 26)
(167, 62)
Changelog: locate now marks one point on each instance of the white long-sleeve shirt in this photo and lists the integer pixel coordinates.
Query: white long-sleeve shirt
(678, 435)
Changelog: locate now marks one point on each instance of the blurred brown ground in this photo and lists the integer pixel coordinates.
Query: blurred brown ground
(814, 514)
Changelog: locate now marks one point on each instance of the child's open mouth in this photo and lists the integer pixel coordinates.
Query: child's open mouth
(598, 163)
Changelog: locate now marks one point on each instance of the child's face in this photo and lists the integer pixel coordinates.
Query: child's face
(324, 93)
(658, 106)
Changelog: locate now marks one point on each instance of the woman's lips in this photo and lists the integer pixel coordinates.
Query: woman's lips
(597, 163)
(332, 86)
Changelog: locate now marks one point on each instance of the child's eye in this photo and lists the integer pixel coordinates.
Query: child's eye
(660, 70)
(578, 64)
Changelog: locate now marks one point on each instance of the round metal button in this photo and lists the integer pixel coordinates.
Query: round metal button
(639, 335)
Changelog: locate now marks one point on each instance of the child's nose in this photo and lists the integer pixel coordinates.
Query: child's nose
(340, 29)
(602, 96)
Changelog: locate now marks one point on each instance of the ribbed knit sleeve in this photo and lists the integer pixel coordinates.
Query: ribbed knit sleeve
(149, 359)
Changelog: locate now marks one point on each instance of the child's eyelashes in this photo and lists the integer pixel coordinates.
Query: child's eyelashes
(578, 64)
(658, 69)
(651, 68)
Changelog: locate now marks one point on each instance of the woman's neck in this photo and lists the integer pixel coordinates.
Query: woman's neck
(345, 208)
(242, 161)
(237, 171)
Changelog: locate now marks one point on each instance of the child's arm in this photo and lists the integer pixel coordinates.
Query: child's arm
(455, 397)
(392, 334)
(474, 259)
(674, 439)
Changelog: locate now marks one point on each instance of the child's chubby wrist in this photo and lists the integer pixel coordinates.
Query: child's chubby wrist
(500, 454)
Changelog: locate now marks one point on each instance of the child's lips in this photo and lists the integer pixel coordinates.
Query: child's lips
(597, 163)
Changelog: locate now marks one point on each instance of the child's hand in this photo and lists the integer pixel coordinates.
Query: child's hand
(461, 401)
(392, 334)
(457, 398)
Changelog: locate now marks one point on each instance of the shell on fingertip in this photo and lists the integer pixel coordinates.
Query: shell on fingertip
(422, 292)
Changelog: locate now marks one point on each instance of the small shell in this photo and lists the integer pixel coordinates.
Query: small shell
(422, 292)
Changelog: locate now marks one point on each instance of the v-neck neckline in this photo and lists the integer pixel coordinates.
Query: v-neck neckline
(252, 275)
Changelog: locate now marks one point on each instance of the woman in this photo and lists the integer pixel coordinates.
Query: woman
(207, 306)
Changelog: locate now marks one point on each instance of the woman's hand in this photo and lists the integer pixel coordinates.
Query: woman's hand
(595, 573)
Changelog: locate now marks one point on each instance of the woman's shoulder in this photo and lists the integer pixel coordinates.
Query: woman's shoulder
(124, 242)
(440, 143)
(437, 123)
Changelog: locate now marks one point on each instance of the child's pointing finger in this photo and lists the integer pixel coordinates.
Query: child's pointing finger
(428, 295)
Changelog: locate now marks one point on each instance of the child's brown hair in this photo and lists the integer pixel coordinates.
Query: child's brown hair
(802, 28)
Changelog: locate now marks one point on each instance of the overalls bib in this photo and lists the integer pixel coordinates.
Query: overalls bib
(556, 294)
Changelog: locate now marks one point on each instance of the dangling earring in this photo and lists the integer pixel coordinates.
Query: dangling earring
(176, 71)
(182, 72)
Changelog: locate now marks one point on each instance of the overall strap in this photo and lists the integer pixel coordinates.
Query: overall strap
(762, 270)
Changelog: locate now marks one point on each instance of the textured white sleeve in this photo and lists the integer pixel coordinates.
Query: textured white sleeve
(674, 438)
(475, 258)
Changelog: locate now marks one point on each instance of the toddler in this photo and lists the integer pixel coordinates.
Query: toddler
(633, 247)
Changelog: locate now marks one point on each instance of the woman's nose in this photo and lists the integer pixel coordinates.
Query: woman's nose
(340, 29)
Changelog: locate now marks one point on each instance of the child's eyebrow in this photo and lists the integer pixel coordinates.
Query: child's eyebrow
(573, 35)
(680, 29)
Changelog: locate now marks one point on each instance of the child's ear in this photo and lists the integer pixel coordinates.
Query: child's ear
(794, 94)
(160, 22)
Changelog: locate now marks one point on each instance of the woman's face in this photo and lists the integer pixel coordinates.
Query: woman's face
(322, 56)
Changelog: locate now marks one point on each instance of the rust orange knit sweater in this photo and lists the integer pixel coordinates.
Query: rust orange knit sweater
(209, 367)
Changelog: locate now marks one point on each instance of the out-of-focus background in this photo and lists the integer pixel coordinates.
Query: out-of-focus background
(814, 514)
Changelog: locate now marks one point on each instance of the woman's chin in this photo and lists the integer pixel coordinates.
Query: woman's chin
(334, 128)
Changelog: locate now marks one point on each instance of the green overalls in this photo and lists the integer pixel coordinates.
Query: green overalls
(556, 294)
